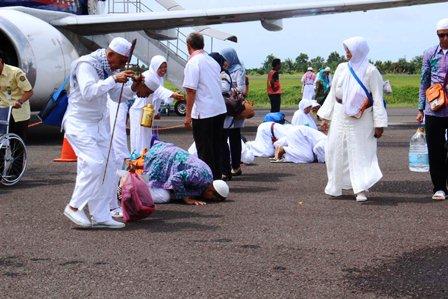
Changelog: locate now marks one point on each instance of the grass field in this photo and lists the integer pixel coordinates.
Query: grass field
(405, 90)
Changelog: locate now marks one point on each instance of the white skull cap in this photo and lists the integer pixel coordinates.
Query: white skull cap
(120, 46)
(221, 188)
(442, 24)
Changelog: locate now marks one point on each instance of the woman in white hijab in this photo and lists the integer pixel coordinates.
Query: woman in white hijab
(351, 152)
(141, 136)
(303, 116)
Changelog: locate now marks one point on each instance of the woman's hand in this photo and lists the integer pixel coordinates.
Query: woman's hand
(177, 96)
(420, 116)
(325, 125)
(378, 132)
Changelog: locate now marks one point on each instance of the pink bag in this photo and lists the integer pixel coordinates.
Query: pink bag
(136, 201)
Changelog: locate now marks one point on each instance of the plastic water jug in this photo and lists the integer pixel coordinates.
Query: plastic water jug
(418, 152)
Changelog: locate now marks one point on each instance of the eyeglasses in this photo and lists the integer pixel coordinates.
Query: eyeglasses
(442, 35)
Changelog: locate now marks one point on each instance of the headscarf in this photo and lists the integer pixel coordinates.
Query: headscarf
(156, 62)
(322, 76)
(353, 95)
(301, 118)
(305, 103)
(232, 59)
(219, 59)
(226, 79)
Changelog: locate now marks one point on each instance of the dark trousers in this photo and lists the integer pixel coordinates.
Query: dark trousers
(437, 150)
(275, 102)
(208, 134)
(234, 154)
(20, 128)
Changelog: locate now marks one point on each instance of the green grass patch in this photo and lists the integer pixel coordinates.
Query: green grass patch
(405, 90)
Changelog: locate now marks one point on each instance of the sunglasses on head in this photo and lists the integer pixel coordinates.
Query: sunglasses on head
(442, 35)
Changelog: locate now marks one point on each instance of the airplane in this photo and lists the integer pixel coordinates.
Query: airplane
(43, 37)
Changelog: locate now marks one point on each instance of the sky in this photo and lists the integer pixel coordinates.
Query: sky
(391, 33)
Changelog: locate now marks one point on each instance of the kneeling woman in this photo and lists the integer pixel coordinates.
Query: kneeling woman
(301, 144)
(174, 174)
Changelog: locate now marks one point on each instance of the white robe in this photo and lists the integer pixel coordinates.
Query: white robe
(120, 141)
(86, 128)
(141, 136)
(351, 152)
(308, 92)
(301, 119)
(262, 146)
(303, 144)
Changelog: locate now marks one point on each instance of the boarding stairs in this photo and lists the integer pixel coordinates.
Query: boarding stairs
(174, 50)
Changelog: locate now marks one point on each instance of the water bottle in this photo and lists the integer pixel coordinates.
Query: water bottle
(418, 152)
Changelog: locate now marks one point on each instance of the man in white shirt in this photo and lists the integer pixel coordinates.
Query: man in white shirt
(206, 108)
(92, 78)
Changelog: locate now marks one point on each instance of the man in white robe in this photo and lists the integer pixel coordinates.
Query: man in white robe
(302, 144)
(92, 78)
(351, 152)
(267, 134)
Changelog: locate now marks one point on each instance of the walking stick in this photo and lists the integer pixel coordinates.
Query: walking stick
(131, 51)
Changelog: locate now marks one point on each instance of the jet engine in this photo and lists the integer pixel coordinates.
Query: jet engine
(39, 49)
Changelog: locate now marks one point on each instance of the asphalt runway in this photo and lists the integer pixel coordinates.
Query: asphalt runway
(278, 235)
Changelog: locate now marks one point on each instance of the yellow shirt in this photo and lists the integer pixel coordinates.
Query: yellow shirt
(13, 83)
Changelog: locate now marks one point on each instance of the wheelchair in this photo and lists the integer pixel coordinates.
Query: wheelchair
(13, 155)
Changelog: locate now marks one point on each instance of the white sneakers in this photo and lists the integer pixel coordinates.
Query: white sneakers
(78, 217)
(361, 197)
(439, 195)
(81, 219)
(108, 224)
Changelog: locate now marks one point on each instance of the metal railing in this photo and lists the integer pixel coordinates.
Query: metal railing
(128, 6)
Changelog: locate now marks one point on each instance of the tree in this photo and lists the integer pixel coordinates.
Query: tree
(288, 66)
(334, 59)
(317, 63)
(301, 62)
(267, 64)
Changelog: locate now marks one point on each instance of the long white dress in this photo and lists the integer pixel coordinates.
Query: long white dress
(263, 146)
(303, 144)
(140, 136)
(351, 152)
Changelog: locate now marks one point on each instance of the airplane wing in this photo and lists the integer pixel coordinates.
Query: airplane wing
(270, 15)
(172, 5)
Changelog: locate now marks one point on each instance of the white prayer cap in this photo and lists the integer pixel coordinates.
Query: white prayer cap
(221, 188)
(310, 68)
(120, 46)
(328, 69)
(151, 82)
(314, 104)
(442, 24)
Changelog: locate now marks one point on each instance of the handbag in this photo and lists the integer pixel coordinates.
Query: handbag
(437, 96)
(136, 200)
(369, 101)
(55, 108)
(237, 106)
(248, 111)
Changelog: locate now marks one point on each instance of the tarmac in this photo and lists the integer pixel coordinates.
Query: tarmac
(278, 234)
